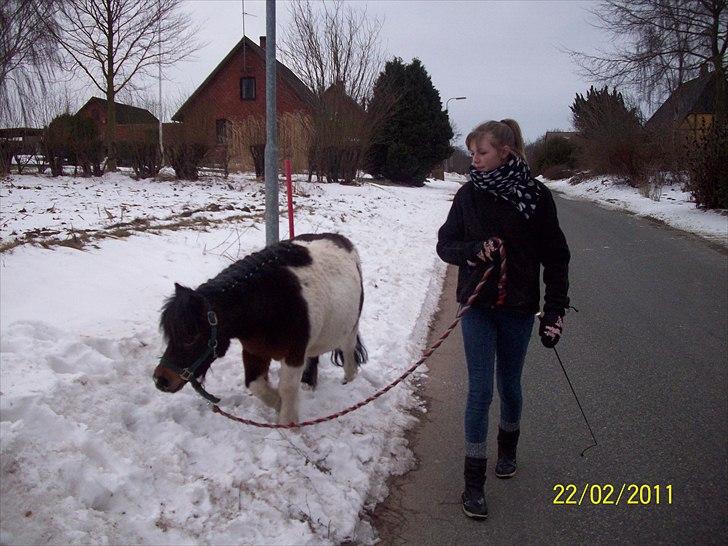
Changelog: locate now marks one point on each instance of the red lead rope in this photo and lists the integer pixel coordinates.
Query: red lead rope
(427, 354)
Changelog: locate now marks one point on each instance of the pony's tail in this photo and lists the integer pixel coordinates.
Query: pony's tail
(360, 354)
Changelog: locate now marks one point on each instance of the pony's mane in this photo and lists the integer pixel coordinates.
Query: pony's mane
(179, 320)
(258, 264)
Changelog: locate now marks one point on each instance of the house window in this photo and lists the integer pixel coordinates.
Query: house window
(247, 88)
(222, 130)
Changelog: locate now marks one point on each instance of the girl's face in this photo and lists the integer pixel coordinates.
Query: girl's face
(487, 157)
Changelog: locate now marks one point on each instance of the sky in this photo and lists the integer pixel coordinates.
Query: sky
(506, 57)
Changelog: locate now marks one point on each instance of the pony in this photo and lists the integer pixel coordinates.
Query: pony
(291, 302)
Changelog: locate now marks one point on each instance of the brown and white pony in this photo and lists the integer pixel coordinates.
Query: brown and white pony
(290, 302)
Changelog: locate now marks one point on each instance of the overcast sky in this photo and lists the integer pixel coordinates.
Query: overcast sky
(505, 57)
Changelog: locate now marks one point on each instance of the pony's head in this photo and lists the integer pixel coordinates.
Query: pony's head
(191, 331)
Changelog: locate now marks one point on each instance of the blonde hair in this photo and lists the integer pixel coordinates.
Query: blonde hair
(505, 132)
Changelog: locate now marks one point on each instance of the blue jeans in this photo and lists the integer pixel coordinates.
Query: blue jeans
(491, 335)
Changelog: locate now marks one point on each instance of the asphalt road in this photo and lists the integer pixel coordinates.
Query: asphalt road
(648, 356)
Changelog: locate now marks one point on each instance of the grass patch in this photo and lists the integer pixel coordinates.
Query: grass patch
(78, 240)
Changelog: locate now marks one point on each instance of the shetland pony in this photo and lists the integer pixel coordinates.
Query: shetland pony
(290, 302)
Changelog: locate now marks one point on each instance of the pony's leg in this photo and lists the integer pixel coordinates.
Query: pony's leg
(256, 379)
(310, 374)
(351, 366)
(290, 378)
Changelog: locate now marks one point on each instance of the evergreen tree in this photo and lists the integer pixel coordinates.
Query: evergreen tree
(602, 111)
(613, 139)
(416, 135)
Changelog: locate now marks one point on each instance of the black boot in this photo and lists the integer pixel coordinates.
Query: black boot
(473, 497)
(507, 442)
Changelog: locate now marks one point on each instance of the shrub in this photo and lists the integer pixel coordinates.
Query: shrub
(459, 161)
(74, 140)
(143, 157)
(6, 156)
(534, 154)
(558, 151)
(186, 158)
(612, 137)
(57, 142)
(85, 146)
(707, 162)
(141, 154)
(558, 172)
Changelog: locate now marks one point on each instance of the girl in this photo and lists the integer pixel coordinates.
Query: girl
(502, 211)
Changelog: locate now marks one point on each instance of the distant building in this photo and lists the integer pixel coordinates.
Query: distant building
(560, 134)
(131, 121)
(234, 92)
(691, 107)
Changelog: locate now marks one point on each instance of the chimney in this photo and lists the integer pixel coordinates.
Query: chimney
(262, 42)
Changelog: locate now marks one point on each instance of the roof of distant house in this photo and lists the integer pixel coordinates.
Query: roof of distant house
(125, 114)
(19, 132)
(303, 92)
(336, 94)
(560, 134)
(695, 96)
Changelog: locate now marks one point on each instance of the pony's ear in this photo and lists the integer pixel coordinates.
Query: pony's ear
(179, 289)
(188, 299)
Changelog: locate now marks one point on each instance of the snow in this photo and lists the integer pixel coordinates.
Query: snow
(669, 204)
(93, 453)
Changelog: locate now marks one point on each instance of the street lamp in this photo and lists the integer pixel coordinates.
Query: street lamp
(453, 98)
(446, 163)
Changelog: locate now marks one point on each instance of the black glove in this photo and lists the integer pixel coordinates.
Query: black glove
(552, 324)
(489, 253)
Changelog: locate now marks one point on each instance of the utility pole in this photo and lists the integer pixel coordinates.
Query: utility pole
(271, 143)
(161, 110)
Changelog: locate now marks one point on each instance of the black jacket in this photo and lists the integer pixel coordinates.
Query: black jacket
(476, 216)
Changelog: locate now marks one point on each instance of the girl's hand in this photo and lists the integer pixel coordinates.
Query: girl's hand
(489, 253)
(551, 328)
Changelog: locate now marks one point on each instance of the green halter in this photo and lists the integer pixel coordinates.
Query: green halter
(188, 373)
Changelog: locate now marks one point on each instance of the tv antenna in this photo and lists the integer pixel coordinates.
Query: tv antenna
(243, 14)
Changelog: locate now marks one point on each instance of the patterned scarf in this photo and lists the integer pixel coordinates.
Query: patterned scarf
(511, 181)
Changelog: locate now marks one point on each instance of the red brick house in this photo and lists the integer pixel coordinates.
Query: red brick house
(234, 94)
(131, 122)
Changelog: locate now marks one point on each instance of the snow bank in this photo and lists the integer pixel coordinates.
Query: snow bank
(672, 205)
(93, 453)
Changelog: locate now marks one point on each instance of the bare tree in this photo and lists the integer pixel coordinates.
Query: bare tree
(333, 44)
(113, 42)
(27, 56)
(247, 138)
(659, 44)
(334, 49)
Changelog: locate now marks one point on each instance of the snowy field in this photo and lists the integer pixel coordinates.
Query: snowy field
(92, 453)
(671, 205)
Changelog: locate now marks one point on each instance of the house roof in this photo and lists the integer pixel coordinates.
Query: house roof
(560, 134)
(695, 96)
(301, 90)
(125, 114)
(336, 93)
(19, 132)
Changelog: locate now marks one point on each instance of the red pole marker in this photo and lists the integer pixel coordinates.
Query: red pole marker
(289, 191)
